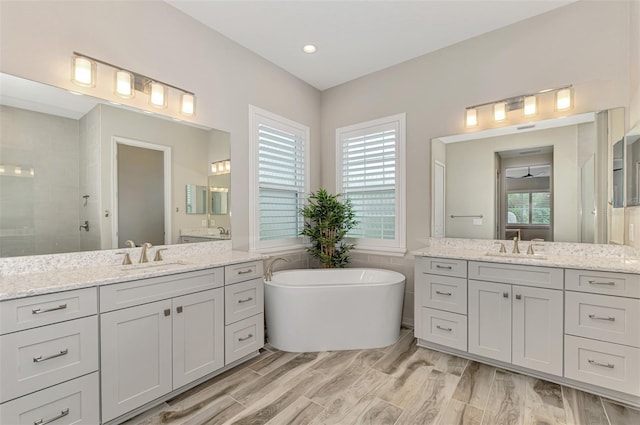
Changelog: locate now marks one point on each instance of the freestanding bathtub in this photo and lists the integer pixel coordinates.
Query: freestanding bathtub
(333, 309)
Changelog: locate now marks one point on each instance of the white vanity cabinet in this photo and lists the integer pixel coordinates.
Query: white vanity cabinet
(515, 317)
(49, 359)
(244, 310)
(158, 335)
(602, 329)
(441, 301)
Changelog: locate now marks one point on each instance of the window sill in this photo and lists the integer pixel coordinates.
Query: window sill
(283, 250)
(391, 252)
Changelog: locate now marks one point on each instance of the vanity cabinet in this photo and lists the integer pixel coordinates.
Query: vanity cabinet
(244, 310)
(602, 331)
(49, 358)
(151, 349)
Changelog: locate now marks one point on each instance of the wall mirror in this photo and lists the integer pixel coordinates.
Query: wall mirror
(552, 179)
(57, 170)
(633, 165)
(196, 199)
(219, 191)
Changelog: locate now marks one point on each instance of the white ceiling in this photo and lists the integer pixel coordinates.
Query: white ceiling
(354, 38)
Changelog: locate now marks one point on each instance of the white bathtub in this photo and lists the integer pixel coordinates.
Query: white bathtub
(333, 309)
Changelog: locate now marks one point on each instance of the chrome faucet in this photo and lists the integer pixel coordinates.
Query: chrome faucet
(516, 249)
(269, 273)
(130, 243)
(223, 231)
(143, 254)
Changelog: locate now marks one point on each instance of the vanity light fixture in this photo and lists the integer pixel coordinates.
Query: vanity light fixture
(527, 102)
(83, 71)
(126, 83)
(499, 111)
(221, 167)
(471, 117)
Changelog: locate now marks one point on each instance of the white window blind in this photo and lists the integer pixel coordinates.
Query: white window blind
(369, 174)
(281, 181)
(279, 175)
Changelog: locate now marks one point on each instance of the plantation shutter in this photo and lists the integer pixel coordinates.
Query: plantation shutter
(281, 182)
(369, 179)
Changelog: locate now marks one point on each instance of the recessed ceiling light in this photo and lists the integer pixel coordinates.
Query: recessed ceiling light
(309, 48)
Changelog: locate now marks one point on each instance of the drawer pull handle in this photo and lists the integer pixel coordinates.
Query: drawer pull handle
(245, 271)
(448, 294)
(438, 266)
(444, 329)
(246, 300)
(53, 356)
(607, 365)
(62, 414)
(595, 282)
(594, 317)
(39, 311)
(245, 338)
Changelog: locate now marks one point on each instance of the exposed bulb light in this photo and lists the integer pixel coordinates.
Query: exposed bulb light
(83, 71)
(188, 104)
(530, 106)
(124, 84)
(564, 99)
(227, 166)
(471, 117)
(157, 95)
(309, 48)
(499, 111)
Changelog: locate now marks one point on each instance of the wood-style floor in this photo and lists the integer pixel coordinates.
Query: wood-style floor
(400, 384)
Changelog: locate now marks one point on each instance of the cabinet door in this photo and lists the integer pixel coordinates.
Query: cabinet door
(537, 329)
(198, 335)
(490, 320)
(135, 357)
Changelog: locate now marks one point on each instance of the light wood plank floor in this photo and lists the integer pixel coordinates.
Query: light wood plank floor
(400, 384)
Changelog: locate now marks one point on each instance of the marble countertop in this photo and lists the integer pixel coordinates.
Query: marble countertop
(44, 282)
(600, 261)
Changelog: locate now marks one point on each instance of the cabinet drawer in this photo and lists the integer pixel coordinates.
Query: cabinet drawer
(443, 293)
(542, 277)
(73, 402)
(607, 283)
(244, 299)
(602, 363)
(444, 328)
(612, 319)
(136, 292)
(241, 272)
(442, 266)
(40, 310)
(243, 338)
(44, 356)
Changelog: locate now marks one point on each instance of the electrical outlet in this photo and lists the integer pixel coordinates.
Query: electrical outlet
(204, 223)
(631, 232)
(212, 222)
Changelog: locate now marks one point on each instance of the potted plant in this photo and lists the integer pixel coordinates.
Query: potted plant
(327, 222)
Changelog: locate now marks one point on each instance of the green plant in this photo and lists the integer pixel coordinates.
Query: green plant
(327, 222)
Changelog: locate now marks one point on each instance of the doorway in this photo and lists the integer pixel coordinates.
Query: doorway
(142, 197)
(526, 194)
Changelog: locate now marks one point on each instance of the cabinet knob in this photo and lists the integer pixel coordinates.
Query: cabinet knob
(179, 309)
(505, 295)
(167, 312)
(518, 297)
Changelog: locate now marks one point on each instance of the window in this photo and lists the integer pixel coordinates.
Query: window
(370, 172)
(529, 208)
(279, 176)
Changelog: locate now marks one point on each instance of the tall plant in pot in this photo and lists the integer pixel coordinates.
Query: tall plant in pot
(328, 219)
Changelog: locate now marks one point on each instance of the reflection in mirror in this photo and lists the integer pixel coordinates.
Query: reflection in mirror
(476, 189)
(219, 187)
(57, 158)
(618, 174)
(196, 199)
(633, 166)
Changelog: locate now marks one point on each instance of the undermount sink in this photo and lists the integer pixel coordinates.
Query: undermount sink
(153, 266)
(519, 256)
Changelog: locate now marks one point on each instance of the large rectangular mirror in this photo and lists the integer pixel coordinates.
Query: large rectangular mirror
(552, 179)
(59, 169)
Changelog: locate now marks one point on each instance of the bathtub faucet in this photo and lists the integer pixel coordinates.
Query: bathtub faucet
(269, 273)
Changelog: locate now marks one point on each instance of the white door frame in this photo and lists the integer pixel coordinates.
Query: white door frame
(166, 150)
